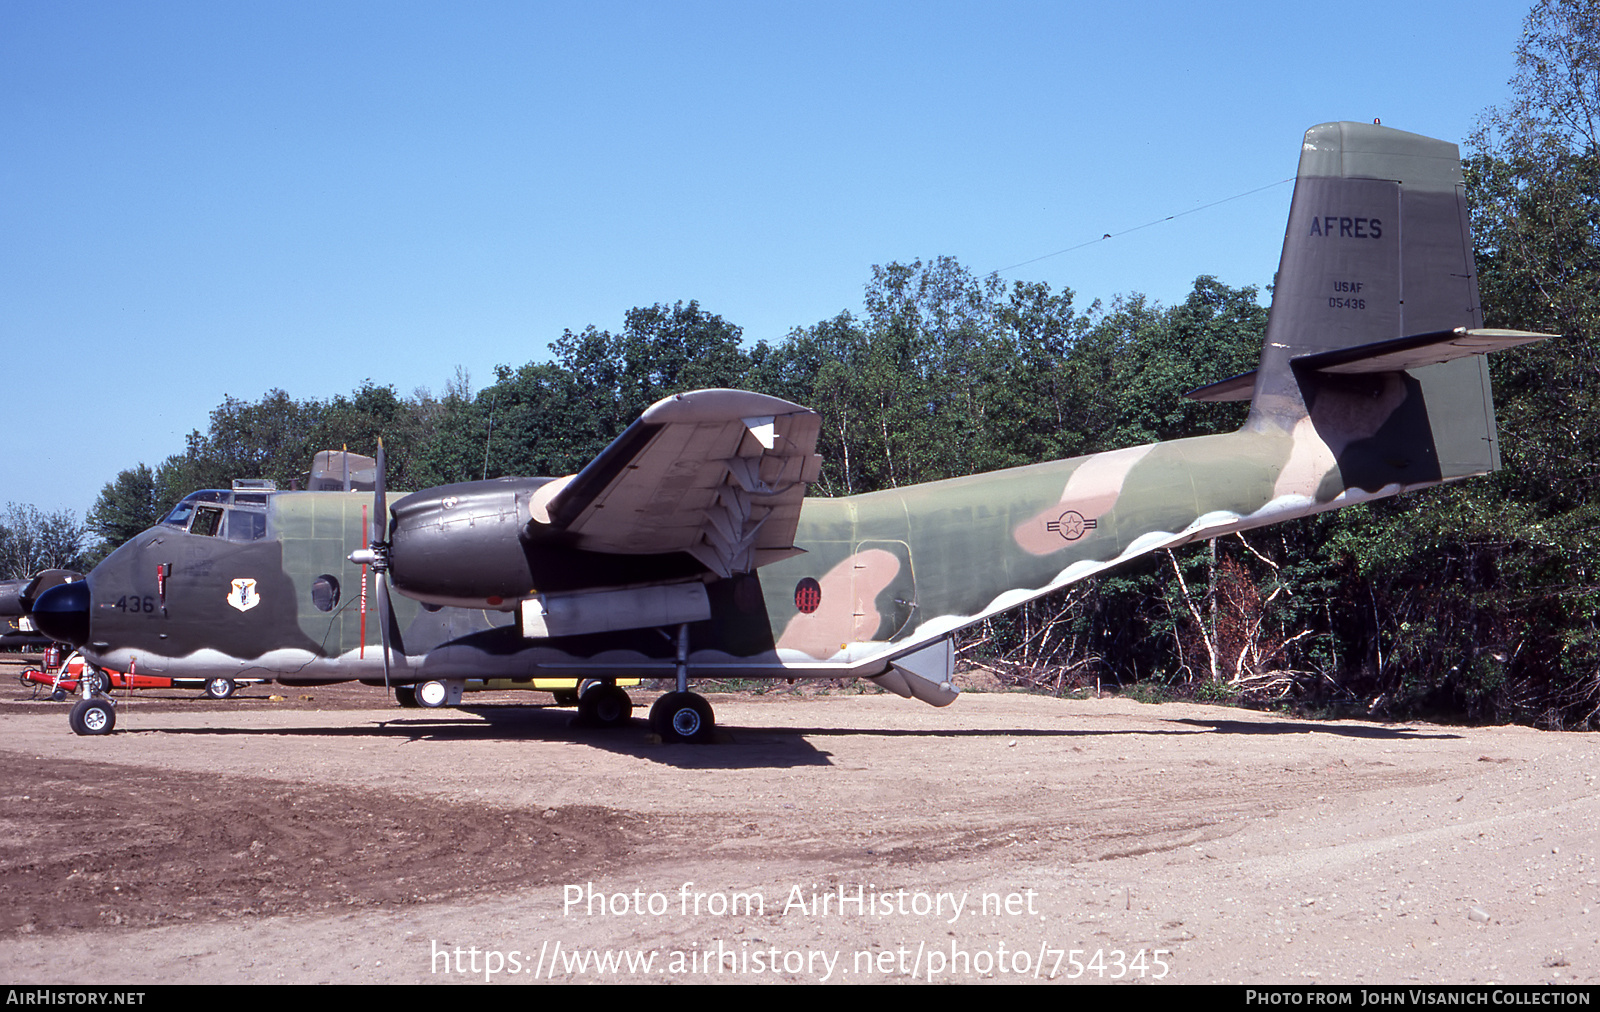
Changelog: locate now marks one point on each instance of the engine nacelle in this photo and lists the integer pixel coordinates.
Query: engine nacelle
(461, 545)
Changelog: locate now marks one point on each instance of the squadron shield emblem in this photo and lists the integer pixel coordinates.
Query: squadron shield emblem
(243, 595)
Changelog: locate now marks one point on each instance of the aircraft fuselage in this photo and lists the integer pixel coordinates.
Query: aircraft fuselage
(881, 573)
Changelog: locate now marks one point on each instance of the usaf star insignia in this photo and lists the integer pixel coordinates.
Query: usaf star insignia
(1071, 525)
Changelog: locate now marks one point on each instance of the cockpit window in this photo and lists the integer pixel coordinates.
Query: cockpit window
(207, 519)
(179, 517)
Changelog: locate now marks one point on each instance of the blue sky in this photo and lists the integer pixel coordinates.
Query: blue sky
(212, 199)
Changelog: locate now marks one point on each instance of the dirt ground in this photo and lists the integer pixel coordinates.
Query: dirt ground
(330, 836)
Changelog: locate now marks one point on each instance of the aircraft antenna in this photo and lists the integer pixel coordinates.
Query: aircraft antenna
(489, 435)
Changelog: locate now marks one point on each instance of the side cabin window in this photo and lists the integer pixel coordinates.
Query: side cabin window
(245, 525)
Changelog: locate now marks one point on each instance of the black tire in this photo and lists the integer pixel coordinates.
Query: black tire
(406, 696)
(683, 717)
(93, 716)
(219, 687)
(605, 706)
(98, 681)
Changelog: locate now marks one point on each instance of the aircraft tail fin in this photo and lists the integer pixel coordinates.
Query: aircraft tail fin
(1375, 337)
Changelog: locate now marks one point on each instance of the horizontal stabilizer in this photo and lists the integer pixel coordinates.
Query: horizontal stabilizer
(1234, 388)
(1417, 351)
(1396, 355)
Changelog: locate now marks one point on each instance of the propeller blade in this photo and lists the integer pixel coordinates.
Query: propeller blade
(394, 648)
(380, 499)
(384, 612)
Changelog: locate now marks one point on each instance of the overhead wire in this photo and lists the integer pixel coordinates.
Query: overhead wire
(1136, 228)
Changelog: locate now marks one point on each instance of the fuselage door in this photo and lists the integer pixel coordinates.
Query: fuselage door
(884, 589)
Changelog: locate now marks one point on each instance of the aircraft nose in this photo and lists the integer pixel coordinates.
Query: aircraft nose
(62, 613)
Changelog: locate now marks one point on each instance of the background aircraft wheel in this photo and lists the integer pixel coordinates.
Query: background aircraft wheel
(605, 706)
(93, 716)
(682, 716)
(219, 688)
(432, 694)
(406, 696)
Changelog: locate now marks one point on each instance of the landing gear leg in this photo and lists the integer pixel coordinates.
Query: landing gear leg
(93, 681)
(683, 658)
(683, 715)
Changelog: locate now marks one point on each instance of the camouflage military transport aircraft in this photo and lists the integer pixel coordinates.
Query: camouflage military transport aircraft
(686, 548)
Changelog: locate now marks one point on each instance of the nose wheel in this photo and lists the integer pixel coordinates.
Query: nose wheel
(97, 715)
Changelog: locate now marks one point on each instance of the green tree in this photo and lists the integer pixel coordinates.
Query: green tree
(126, 506)
(32, 540)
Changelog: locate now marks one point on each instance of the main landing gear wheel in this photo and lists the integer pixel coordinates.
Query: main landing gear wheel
(406, 696)
(99, 681)
(93, 716)
(432, 694)
(219, 688)
(605, 706)
(682, 716)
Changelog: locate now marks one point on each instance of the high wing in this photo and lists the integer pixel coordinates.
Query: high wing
(718, 474)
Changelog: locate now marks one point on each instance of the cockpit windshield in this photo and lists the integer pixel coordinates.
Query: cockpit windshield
(234, 516)
(179, 517)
